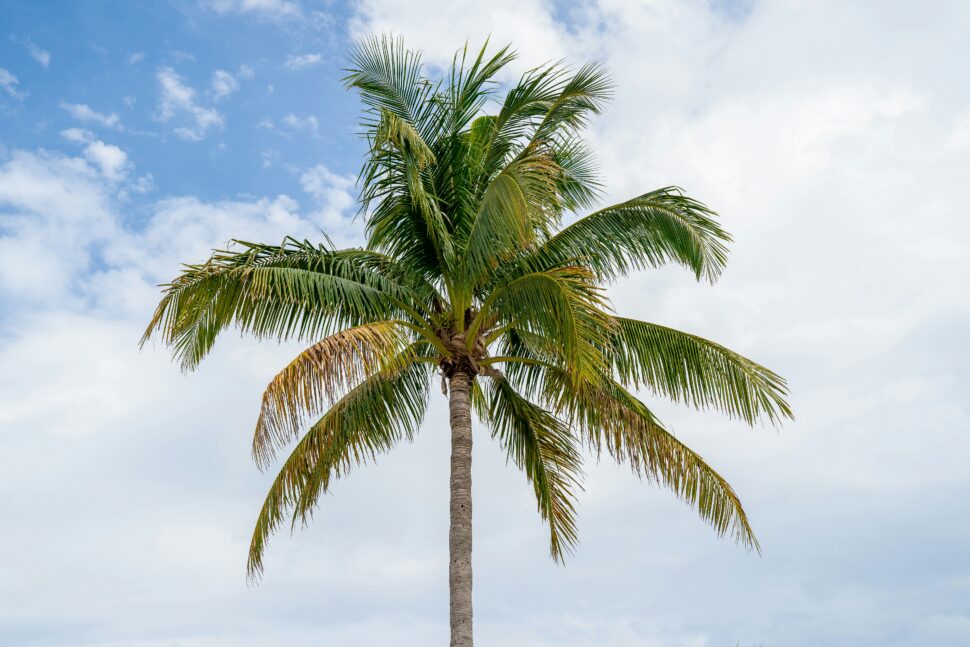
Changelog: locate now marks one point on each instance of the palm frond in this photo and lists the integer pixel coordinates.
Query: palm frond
(581, 96)
(651, 230)
(318, 377)
(688, 368)
(384, 409)
(389, 77)
(542, 446)
(470, 84)
(579, 185)
(294, 291)
(563, 308)
(612, 418)
(402, 136)
(520, 204)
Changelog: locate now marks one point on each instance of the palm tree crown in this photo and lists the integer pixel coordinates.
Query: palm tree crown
(468, 272)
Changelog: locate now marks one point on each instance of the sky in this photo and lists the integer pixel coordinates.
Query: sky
(834, 140)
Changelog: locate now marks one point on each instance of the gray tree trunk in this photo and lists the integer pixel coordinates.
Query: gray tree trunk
(460, 534)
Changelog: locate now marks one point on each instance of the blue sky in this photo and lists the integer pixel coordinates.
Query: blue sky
(108, 56)
(834, 140)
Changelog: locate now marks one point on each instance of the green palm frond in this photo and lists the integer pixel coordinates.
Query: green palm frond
(651, 230)
(542, 446)
(471, 84)
(519, 205)
(399, 134)
(293, 291)
(385, 408)
(563, 308)
(579, 186)
(688, 368)
(389, 77)
(581, 96)
(613, 419)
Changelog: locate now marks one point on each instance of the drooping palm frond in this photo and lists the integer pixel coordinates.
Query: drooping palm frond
(401, 135)
(384, 409)
(688, 368)
(546, 107)
(319, 376)
(503, 135)
(542, 446)
(579, 185)
(613, 419)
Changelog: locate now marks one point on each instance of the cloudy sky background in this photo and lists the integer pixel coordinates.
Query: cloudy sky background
(833, 138)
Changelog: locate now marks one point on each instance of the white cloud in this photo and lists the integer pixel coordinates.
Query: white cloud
(54, 209)
(301, 61)
(270, 158)
(335, 199)
(223, 84)
(144, 184)
(111, 160)
(10, 84)
(528, 25)
(78, 135)
(82, 112)
(136, 57)
(181, 56)
(307, 123)
(176, 98)
(274, 9)
(36, 52)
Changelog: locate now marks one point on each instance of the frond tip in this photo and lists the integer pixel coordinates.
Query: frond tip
(688, 368)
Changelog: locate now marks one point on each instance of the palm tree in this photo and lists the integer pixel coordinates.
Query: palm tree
(468, 273)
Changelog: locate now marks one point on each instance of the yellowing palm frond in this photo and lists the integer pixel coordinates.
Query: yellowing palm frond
(318, 377)
(382, 410)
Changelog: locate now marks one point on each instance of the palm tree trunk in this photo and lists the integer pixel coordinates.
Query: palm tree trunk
(460, 534)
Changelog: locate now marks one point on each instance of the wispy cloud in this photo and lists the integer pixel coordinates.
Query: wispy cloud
(83, 112)
(223, 84)
(177, 97)
(136, 57)
(308, 123)
(36, 52)
(181, 56)
(273, 9)
(78, 135)
(10, 84)
(298, 62)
